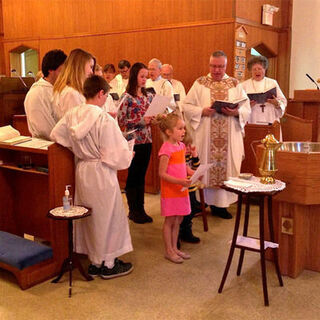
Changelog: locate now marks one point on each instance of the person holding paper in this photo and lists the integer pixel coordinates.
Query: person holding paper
(98, 144)
(274, 107)
(178, 89)
(192, 160)
(131, 116)
(217, 137)
(161, 86)
(68, 89)
(173, 170)
(38, 101)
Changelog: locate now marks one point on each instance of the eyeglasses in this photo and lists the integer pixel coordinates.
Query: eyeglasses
(124, 70)
(213, 66)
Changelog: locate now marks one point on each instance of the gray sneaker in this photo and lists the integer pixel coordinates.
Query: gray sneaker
(120, 269)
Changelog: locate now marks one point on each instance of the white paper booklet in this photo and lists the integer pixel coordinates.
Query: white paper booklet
(37, 143)
(157, 106)
(254, 243)
(198, 173)
(11, 136)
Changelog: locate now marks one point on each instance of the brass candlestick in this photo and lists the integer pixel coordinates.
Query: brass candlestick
(267, 168)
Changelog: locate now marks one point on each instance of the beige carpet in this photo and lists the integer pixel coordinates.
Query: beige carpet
(159, 289)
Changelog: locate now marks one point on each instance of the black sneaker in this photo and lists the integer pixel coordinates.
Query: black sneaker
(220, 212)
(94, 271)
(120, 269)
(187, 236)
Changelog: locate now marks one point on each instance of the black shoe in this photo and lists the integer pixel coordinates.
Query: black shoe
(220, 212)
(120, 269)
(94, 271)
(147, 217)
(187, 236)
(139, 218)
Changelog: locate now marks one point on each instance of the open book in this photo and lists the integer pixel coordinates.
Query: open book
(263, 96)
(218, 104)
(9, 135)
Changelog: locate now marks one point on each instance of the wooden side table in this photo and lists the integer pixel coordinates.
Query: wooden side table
(72, 260)
(261, 248)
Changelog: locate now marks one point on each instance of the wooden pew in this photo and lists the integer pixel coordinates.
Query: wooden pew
(295, 128)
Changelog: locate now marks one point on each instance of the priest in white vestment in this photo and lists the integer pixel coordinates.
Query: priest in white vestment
(100, 148)
(178, 88)
(274, 108)
(161, 86)
(218, 137)
(38, 101)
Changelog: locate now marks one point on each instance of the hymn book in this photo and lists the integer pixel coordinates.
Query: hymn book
(114, 96)
(263, 96)
(11, 136)
(219, 104)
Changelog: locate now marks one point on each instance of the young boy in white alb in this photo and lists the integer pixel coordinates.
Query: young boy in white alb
(101, 150)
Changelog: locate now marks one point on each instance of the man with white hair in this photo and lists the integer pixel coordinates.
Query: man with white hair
(178, 88)
(161, 86)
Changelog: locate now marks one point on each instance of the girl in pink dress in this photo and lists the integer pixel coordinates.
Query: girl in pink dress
(173, 172)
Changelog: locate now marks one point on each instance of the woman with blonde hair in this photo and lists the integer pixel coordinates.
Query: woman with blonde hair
(68, 89)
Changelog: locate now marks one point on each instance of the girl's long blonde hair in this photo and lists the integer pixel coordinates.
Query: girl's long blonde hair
(73, 71)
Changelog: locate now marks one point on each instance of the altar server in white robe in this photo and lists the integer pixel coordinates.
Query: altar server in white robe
(273, 109)
(178, 88)
(218, 137)
(38, 101)
(67, 90)
(98, 144)
(161, 86)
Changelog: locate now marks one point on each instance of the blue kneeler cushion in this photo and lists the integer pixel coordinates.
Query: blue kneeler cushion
(22, 253)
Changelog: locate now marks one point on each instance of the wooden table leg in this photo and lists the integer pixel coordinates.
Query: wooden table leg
(274, 250)
(245, 233)
(233, 243)
(70, 232)
(262, 251)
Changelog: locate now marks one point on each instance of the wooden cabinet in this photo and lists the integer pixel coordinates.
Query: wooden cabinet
(26, 196)
(12, 94)
(254, 133)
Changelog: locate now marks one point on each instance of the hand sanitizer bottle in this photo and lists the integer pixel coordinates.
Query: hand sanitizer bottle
(65, 199)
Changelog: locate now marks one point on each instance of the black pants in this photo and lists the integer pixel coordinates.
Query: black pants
(186, 224)
(139, 165)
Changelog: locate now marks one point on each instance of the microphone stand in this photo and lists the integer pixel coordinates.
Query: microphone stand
(313, 81)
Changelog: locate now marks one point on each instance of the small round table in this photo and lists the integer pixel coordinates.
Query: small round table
(72, 260)
(250, 243)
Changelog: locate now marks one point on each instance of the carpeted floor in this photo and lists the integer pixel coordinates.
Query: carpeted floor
(159, 289)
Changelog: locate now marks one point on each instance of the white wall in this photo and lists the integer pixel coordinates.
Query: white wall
(305, 47)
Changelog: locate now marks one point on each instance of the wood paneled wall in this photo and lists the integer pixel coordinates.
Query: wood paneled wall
(60, 18)
(252, 10)
(180, 32)
(277, 37)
